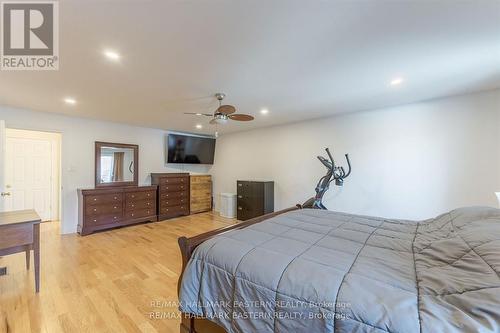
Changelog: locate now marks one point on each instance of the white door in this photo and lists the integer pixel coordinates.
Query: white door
(3, 191)
(28, 172)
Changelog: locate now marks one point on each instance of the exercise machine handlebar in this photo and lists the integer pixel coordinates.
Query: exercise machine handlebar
(334, 173)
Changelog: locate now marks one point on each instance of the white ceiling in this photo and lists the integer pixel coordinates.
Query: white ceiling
(300, 59)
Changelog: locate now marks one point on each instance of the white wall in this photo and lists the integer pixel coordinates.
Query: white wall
(77, 151)
(413, 161)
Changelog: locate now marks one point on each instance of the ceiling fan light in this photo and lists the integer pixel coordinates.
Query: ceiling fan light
(221, 121)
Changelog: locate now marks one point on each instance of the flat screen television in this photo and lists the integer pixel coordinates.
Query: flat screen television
(185, 149)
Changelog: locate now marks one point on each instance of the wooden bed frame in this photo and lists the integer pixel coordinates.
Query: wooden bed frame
(196, 324)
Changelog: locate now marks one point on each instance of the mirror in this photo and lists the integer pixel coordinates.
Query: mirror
(116, 164)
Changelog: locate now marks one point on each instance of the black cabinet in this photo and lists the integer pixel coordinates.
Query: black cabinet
(255, 198)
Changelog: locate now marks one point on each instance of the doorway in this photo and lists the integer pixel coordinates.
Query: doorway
(32, 172)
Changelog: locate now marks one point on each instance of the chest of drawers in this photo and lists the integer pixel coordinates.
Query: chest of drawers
(200, 188)
(254, 198)
(173, 194)
(106, 208)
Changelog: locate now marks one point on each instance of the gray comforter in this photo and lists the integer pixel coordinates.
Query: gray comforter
(321, 271)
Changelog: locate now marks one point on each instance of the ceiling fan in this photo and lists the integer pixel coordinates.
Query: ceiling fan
(223, 113)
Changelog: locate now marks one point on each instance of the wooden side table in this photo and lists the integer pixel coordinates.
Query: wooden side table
(20, 232)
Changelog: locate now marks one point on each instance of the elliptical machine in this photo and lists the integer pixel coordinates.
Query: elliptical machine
(334, 172)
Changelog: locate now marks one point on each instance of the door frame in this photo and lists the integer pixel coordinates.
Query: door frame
(3, 138)
(55, 139)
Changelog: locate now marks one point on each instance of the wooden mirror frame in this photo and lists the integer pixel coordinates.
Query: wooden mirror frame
(98, 146)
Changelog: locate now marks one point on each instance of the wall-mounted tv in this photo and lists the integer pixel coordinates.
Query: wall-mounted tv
(185, 149)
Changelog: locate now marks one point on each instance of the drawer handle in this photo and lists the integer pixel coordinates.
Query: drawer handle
(95, 209)
(115, 207)
(182, 186)
(149, 194)
(116, 198)
(132, 214)
(132, 205)
(149, 204)
(182, 207)
(239, 208)
(167, 209)
(167, 195)
(240, 185)
(95, 220)
(240, 196)
(167, 187)
(95, 199)
(133, 196)
(115, 217)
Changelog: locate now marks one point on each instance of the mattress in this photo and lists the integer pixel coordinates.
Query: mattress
(321, 271)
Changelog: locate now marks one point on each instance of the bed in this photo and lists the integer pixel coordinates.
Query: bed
(304, 270)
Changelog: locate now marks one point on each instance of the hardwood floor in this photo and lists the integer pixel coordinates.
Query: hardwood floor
(122, 280)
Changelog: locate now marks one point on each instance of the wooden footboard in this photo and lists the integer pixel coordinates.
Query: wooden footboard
(190, 323)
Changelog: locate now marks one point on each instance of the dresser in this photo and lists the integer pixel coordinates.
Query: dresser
(173, 194)
(254, 198)
(106, 208)
(200, 188)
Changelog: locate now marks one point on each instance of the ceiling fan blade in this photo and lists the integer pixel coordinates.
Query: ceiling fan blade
(241, 117)
(212, 122)
(226, 109)
(200, 114)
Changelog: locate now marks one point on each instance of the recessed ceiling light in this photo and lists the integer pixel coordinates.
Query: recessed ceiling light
(199, 126)
(396, 81)
(112, 55)
(264, 111)
(69, 100)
